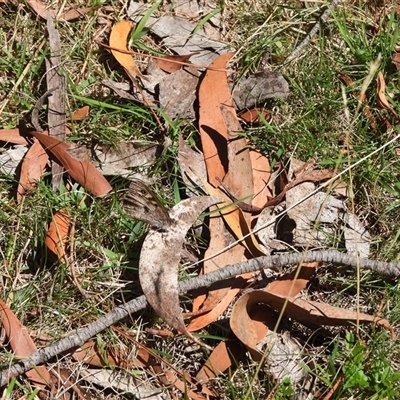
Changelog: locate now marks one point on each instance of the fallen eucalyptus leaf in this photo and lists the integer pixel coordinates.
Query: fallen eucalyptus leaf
(117, 159)
(11, 158)
(177, 93)
(176, 34)
(118, 382)
(161, 253)
(332, 216)
(257, 88)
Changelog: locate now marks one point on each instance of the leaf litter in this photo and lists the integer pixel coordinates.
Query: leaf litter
(43, 10)
(175, 87)
(225, 153)
(159, 281)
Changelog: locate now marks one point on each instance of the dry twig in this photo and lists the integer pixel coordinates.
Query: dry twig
(82, 335)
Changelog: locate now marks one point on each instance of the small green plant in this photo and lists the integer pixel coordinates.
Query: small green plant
(367, 372)
(285, 390)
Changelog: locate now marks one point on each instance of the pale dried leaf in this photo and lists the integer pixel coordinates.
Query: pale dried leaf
(177, 93)
(118, 159)
(176, 35)
(285, 356)
(121, 382)
(192, 9)
(257, 88)
(121, 89)
(267, 235)
(11, 159)
(331, 213)
(191, 165)
(125, 155)
(158, 265)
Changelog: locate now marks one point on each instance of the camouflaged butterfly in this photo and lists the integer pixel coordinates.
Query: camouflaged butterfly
(142, 204)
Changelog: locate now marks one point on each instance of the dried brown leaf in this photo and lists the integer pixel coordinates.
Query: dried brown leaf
(218, 301)
(213, 92)
(172, 63)
(57, 236)
(32, 168)
(41, 9)
(91, 354)
(22, 344)
(293, 283)
(118, 39)
(250, 319)
(12, 136)
(220, 237)
(183, 386)
(315, 313)
(238, 180)
(255, 115)
(261, 177)
(381, 94)
(81, 171)
(221, 359)
(81, 114)
(236, 221)
(76, 13)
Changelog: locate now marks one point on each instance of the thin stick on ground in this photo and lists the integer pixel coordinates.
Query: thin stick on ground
(82, 335)
(313, 31)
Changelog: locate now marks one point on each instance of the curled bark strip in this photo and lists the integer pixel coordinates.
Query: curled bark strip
(38, 105)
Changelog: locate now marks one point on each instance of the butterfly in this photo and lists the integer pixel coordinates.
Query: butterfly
(141, 203)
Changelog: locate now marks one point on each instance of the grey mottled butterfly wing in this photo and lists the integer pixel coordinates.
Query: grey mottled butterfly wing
(142, 204)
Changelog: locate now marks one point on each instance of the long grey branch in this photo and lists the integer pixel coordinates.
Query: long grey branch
(82, 335)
